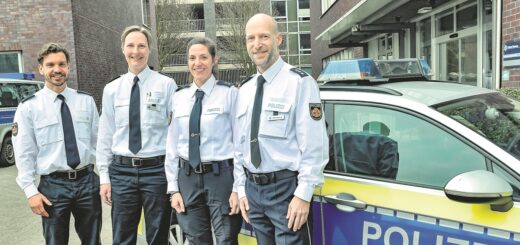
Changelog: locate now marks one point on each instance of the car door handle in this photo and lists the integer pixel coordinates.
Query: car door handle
(345, 199)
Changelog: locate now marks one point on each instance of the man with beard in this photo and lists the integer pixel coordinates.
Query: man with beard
(54, 136)
(279, 106)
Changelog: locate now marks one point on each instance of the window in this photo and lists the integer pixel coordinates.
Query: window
(11, 94)
(325, 5)
(304, 10)
(146, 13)
(515, 184)
(10, 62)
(385, 48)
(385, 143)
(278, 9)
(305, 43)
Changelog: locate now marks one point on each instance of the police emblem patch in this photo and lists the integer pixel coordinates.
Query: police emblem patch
(315, 111)
(14, 129)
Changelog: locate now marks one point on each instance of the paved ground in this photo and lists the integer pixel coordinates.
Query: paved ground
(18, 225)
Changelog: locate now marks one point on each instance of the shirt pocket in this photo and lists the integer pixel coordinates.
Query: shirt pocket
(121, 112)
(181, 116)
(155, 109)
(48, 130)
(82, 124)
(275, 119)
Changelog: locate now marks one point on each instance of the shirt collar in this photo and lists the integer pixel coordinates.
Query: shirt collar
(142, 75)
(206, 88)
(270, 73)
(53, 96)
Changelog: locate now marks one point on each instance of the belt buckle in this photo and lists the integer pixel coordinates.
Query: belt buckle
(72, 174)
(136, 162)
(198, 169)
(260, 179)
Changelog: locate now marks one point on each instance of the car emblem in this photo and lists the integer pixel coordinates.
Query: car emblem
(315, 111)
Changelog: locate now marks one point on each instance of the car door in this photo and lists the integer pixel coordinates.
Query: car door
(394, 194)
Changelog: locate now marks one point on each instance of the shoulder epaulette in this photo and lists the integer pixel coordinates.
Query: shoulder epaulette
(224, 83)
(115, 78)
(83, 92)
(246, 80)
(27, 98)
(299, 71)
(182, 87)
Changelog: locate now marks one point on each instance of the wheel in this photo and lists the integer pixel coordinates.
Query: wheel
(7, 154)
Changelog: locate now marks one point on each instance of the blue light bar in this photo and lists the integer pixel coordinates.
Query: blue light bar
(13, 75)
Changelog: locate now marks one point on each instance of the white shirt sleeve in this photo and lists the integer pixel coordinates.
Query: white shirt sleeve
(313, 143)
(26, 150)
(105, 133)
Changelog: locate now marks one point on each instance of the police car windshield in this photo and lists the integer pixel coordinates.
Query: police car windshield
(492, 115)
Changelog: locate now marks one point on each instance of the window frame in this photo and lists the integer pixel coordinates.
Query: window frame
(20, 61)
(146, 13)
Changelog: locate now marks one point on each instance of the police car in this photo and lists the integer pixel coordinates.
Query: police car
(414, 161)
(12, 91)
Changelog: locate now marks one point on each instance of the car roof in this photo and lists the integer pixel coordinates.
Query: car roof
(434, 92)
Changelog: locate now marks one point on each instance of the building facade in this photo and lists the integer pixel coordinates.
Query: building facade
(90, 30)
(465, 41)
(211, 18)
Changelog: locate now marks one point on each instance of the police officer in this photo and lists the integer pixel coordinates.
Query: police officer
(54, 136)
(131, 145)
(282, 143)
(199, 152)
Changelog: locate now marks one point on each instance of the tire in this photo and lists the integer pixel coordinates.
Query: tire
(7, 153)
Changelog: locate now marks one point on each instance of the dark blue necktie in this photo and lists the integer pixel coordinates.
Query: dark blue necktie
(194, 153)
(256, 159)
(134, 118)
(71, 147)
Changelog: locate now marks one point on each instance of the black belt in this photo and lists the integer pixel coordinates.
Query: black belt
(205, 167)
(268, 178)
(72, 174)
(138, 162)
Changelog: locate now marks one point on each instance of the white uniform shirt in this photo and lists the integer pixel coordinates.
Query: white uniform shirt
(156, 92)
(39, 145)
(289, 138)
(216, 123)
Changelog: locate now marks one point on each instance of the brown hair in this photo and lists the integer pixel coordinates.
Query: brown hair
(52, 48)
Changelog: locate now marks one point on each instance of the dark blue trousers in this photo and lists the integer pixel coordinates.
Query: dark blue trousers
(79, 197)
(206, 201)
(268, 206)
(134, 189)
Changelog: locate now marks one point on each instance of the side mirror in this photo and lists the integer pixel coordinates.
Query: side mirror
(481, 186)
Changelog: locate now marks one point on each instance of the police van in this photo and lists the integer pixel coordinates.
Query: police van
(13, 89)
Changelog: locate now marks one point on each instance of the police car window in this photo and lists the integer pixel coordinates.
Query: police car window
(389, 144)
(8, 95)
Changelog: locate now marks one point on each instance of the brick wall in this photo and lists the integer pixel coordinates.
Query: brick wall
(98, 25)
(28, 24)
(90, 30)
(511, 32)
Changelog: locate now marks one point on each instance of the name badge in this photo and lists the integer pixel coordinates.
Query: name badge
(153, 97)
(275, 118)
(214, 110)
(277, 106)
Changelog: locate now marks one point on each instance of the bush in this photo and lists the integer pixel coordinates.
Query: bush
(511, 92)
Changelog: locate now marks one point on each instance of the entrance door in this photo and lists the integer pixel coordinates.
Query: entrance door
(458, 60)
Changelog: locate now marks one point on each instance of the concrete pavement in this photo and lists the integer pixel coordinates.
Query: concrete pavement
(18, 225)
